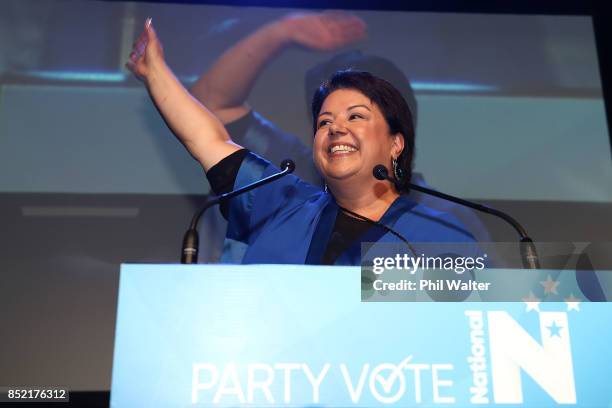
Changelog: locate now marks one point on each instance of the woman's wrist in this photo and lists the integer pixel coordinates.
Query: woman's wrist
(157, 72)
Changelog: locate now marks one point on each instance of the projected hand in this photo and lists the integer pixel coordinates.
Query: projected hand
(324, 31)
(146, 53)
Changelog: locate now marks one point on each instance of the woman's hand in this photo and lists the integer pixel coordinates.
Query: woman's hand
(194, 125)
(147, 53)
(325, 31)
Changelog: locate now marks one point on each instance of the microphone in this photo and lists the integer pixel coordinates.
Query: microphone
(529, 254)
(189, 251)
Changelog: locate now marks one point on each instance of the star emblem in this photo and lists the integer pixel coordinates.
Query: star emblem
(554, 329)
(573, 303)
(532, 302)
(550, 286)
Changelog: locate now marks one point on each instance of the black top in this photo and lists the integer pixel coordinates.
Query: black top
(346, 228)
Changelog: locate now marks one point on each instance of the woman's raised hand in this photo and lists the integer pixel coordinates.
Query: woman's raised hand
(146, 54)
(325, 31)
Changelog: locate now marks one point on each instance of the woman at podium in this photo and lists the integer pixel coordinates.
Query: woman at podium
(360, 121)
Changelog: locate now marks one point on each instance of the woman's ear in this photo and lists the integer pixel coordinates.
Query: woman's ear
(398, 145)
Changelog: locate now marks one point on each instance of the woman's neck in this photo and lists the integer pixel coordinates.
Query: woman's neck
(372, 202)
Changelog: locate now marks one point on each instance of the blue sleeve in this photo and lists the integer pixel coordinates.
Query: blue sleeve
(249, 212)
(264, 138)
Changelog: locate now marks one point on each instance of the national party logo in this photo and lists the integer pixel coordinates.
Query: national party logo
(501, 350)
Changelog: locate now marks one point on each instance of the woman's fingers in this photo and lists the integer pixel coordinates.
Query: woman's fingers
(342, 20)
(147, 52)
(151, 35)
(130, 65)
(141, 38)
(353, 32)
(343, 28)
(135, 61)
(140, 45)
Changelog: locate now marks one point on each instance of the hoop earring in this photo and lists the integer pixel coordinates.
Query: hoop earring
(397, 171)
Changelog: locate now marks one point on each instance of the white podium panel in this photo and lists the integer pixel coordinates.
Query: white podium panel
(285, 335)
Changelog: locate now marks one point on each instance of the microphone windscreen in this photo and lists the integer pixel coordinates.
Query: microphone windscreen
(288, 164)
(380, 172)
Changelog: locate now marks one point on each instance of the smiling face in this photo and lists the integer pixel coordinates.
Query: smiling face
(352, 137)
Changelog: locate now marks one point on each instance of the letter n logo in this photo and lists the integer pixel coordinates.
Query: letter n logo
(549, 363)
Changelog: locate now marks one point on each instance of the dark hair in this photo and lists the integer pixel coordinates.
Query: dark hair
(358, 61)
(390, 102)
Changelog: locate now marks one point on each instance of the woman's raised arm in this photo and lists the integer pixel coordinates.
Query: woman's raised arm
(196, 127)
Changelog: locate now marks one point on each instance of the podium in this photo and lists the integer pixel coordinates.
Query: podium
(291, 335)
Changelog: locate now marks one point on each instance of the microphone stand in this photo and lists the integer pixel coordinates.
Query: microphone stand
(529, 254)
(191, 240)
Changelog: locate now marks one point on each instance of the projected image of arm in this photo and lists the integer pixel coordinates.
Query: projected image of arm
(226, 86)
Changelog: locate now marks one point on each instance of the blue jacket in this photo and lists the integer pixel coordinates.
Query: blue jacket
(290, 222)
